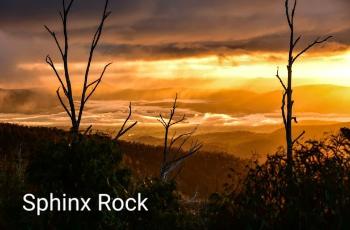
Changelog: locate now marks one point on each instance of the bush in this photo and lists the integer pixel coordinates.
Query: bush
(165, 208)
(317, 197)
(83, 169)
(12, 188)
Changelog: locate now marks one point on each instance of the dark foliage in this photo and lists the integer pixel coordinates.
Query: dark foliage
(317, 197)
(202, 174)
(165, 209)
(12, 188)
(26, 139)
(262, 197)
(84, 169)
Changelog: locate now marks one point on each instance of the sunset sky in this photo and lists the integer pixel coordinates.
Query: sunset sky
(159, 43)
(221, 56)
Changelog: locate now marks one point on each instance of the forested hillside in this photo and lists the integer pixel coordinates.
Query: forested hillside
(203, 174)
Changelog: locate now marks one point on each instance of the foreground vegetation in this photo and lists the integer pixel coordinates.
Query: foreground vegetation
(41, 161)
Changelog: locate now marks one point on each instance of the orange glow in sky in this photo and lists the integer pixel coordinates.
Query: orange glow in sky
(317, 69)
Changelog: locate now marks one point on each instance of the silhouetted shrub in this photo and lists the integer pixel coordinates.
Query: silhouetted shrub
(12, 188)
(165, 208)
(317, 197)
(218, 212)
(84, 169)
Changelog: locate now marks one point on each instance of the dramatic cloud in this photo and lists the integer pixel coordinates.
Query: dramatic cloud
(267, 43)
(153, 21)
(158, 29)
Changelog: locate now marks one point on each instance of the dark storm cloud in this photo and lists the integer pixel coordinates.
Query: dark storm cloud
(186, 20)
(267, 43)
(165, 28)
(31, 15)
(172, 50)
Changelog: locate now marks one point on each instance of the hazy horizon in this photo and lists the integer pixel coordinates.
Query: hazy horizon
(225, 75)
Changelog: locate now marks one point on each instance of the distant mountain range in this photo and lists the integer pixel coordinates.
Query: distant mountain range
(244, 144)
(310, 98)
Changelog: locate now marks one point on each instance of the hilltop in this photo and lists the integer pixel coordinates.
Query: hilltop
(202, 174)
(247, 142)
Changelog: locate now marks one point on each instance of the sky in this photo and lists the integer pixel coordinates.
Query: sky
(183, 43)
(220, 56)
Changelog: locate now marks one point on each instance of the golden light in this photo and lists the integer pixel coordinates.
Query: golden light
(331, 69)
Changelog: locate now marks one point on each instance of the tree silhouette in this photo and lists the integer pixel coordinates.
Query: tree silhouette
(173, 153)
(287, 99)
(89, 87)
(125, 128)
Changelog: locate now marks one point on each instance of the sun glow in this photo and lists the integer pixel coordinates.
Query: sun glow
(317, 69)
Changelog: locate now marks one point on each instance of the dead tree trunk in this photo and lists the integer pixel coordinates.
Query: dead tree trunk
(287, 99)
(173, 153)
(75, 113)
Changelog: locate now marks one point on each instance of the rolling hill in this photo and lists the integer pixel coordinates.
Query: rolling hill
(308, 98)
(244, 144)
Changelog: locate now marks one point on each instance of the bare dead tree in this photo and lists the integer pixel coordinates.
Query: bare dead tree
(287, 98)
(173, 150)
(89, 87)
(125, 128)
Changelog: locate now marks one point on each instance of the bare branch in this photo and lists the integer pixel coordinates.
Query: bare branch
(287, 14)
(185, 138)
(124, 130)
(61, 16)
(172, 113)
(279, 78)
(62, 103)
(53, 34)
(94, 43)
(67, 89)
(161, 120)
(50, 62)
(172, 165)
(317, 41)
(283, 109)
(184, 141)
(296, 41)
(64, 51)
(167, 164)
(66, 10)
(95, 83)
(300, 136)
(178, 121)
(293, 11)
(295, 119)
(174, 139)
(287, 99)
(92, 83)
(193, 149)
(87, 130)
(175, 103)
